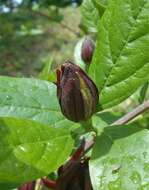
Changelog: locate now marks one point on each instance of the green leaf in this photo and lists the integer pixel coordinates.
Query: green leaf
(90, 15)
(104, 119)
(46, 73)
(32, 99)
(29, 150)
(143, 92)
(120, 159)
(121, 60)
(101, 5)
(77, 54)
(8, 186)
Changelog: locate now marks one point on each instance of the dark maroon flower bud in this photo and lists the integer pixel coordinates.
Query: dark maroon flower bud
(75, 176)
(87, 50)
(49, 183)
(77, 93)
(28, 186)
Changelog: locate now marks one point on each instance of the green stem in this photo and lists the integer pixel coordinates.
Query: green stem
(88, 126)
(87, 68)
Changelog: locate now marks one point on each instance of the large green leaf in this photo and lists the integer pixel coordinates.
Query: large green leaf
(120, 159)
(121, 60)
(29, 150)
(90, 15)
(32, 99)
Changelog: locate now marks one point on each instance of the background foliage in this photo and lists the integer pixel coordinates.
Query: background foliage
(33, 31)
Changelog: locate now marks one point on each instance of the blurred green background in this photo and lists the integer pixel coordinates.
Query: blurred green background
(33, 31)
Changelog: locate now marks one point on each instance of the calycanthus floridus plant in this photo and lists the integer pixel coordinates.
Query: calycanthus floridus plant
(81, 131)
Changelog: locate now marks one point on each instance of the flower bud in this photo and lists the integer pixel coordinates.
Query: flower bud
(77, 93)
(75, 176)
(87, 50)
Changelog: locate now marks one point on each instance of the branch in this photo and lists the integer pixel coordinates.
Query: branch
(123, 120)
(63, 25)
(134, 113)
(70, 29)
